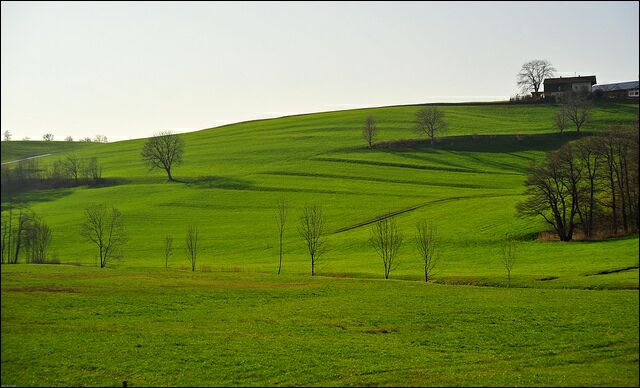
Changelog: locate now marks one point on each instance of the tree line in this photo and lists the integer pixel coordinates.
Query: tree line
(32, 174)
(7, 135)
(590, 185)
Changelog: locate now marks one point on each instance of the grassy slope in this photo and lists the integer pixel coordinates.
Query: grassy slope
(136, 322)
(15, 150)
(84, 326)
(235, 174)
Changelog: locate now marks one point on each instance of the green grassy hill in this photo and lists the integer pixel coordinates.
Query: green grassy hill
(571, 318)
(468, 184)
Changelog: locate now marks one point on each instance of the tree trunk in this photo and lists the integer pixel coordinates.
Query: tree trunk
(280, 264)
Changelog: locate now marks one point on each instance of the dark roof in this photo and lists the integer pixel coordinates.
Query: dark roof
(617, 86)
(591, 78)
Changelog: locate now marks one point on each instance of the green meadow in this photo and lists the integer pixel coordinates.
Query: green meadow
(570, 318)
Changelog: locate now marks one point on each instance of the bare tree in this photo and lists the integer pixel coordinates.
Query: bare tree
(577, 110)
(163, 151)
(552, 191)
(426, 239)
(19, 237)
(4, 242)
(72, 166)
(312, 231)
(281, 219)
(509, 257)
(560, 119)
(104, 228)
(590, 155)
(533, 73)
(68, 138)
(47, 137)
(386, 240)
(430, 122)
(192, 246)
(37, 240)
(369, 131)
(100, 139)
(92, 169)
(7, 135)
(168, 250)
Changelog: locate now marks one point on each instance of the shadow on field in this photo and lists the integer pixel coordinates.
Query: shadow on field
(218, 182)
(485, 143)
(478, 143)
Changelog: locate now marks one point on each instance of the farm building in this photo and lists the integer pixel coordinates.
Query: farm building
(618, 90)
(557, 87)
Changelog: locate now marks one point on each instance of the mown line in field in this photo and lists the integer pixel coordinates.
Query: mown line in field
(20, 160)
(415, 207)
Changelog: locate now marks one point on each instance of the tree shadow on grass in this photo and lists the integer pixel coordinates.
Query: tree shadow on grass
(480, 143)
(217, 182)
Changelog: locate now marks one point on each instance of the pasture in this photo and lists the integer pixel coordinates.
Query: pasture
(571, 318)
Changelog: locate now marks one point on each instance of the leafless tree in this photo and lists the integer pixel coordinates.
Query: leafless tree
(168, 250)
(47, 137)
(560, 119)
(68, 138)
(86, 139)
(577, 109)
(552, 191)
(72, 166)
(430, 122)
(509, 257)
(619, 147)
(281, 219)
(386, 240)
(7, 135)
(92, 169)
(100, 139)
(37, 240)
(192, 246)
(105, 228)
(590, 155)
(369, 131)
(163, 151)
(533, 73)
(5, 238)
(312, 231)
(19, 234)
(426, 239)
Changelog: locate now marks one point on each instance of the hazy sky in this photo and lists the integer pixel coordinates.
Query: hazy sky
(128, 70)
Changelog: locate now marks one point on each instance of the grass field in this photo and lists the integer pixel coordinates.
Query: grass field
(84, 326)
(242, 324)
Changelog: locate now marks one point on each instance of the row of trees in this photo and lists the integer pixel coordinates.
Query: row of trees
(7, 135)
(429, 122)
(24, 234)
(589, 185)
(71, 170)
(27, 235)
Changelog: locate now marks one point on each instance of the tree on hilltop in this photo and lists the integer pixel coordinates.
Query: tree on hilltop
(430, 122)
(369, 131)
(533, 73)
(163, 151)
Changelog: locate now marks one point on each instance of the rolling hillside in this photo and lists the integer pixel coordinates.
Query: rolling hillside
(570, 319)
(467, 184)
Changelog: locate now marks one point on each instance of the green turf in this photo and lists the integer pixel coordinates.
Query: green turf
(468, 185)
(15, 150)
(241, 324)
(81, 326)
